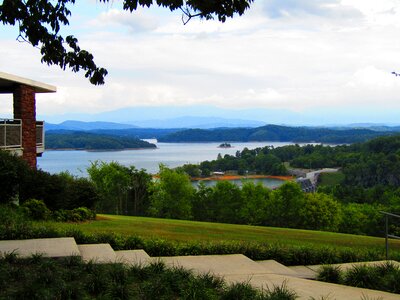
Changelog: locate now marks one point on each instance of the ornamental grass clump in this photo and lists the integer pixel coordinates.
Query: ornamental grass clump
(384, 277)
(330, 274)
(39, 277)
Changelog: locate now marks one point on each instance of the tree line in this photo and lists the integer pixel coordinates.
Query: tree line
(172, 195)
(92, 141)
(273, 133)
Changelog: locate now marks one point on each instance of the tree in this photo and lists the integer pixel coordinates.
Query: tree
(140, 184)
(40, 22)
(172, 195)
(112, 181)
(285, 205)
(320, 212)
(255, 203)
(227, 202)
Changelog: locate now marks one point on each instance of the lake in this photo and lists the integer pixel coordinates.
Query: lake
(170, 154)
(268, 182)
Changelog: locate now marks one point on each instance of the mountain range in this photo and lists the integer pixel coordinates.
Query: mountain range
(181, 122)
(198, 116)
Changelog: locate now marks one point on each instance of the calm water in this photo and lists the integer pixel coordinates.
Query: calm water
(268, 182)
(170, 154)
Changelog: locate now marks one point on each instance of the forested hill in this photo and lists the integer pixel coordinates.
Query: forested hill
(273, 133)
(92, 141)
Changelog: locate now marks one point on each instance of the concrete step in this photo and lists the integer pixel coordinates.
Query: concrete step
(273, 267)
(220, 265)
(133, 257)
(347, 266)
(304, 272)
(310, 289)
(99, 253)
(54, 247)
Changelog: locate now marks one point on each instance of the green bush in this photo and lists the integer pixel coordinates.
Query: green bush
(13, 223)
(58, 191)
(36, 209)
(79, 214)
(384, 277)
(13, 171)
(330, 274)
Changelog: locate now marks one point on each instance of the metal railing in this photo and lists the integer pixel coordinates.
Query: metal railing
(39, 133)
(387, 235)
(10, 133)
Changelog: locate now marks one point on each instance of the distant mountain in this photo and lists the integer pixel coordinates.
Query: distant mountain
(370, 126)
(198, 122)
(273, 133)
(84, 126)
(136, 115)
(336, 116)
(181, 122)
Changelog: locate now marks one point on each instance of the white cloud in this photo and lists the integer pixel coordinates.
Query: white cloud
(140, 22)
(319, 54)
(304, 8)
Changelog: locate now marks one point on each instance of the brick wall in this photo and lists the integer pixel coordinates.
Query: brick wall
(25, 109)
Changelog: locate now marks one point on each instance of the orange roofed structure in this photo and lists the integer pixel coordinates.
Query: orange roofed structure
(23, 134)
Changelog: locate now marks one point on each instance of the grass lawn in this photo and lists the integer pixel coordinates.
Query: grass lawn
(180, 230)
(329, 179)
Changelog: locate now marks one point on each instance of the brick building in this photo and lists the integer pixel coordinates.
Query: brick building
(23, 134)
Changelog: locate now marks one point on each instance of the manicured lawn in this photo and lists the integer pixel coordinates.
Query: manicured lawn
(180, 230)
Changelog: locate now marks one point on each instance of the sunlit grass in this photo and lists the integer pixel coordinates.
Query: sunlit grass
(181, 230)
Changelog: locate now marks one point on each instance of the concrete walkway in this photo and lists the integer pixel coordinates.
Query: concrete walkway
(58, 247)
(233, 268)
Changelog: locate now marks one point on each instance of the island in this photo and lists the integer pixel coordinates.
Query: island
(225, 145)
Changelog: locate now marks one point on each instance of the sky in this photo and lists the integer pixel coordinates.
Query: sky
(328, 58)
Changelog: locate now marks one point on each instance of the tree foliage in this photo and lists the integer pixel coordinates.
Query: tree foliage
(92, 141)
(123, 190)
(171, 195)
(40, 23)
(58, 191)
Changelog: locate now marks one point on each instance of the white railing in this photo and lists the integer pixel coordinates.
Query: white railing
(10, 133)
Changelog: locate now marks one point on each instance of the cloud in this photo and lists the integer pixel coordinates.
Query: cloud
(140, 21)
(314, 58)
(302, 8)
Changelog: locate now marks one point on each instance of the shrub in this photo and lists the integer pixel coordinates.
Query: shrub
(13, 223)
(330, 274)
(384, 277)
(36, 209)
(13, 171)
(361, 276)
(58, 191)
(75, 215)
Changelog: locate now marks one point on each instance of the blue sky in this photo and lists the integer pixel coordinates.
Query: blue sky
(328, 61)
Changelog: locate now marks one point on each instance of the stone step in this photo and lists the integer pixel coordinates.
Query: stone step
(220, 265)
(98, 253)
(310, 289)
(133, 257)
(53, 247)
(273, 267)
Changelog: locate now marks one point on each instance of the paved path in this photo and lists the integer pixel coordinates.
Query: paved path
(233, 268)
